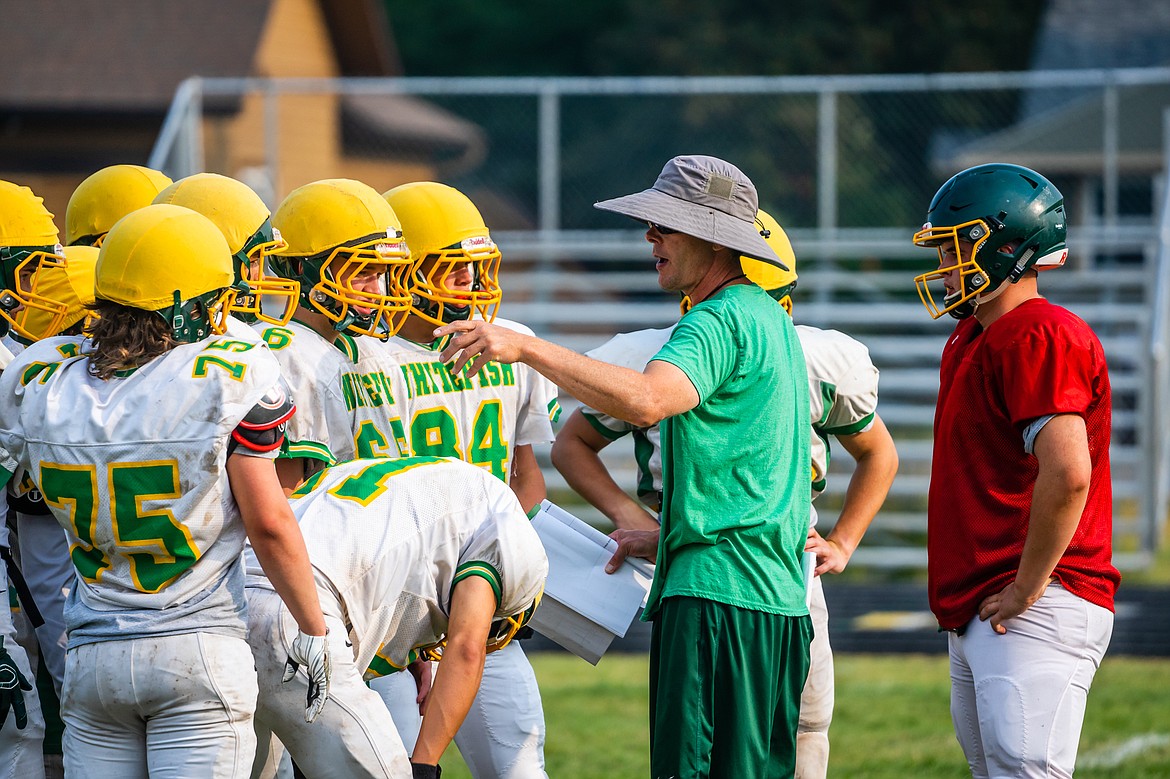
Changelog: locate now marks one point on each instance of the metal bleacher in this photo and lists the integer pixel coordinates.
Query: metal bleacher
(848, 154)
(579, 289)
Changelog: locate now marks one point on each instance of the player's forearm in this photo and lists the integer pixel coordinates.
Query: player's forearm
(863, 499)
(527, 479)
(587, 475)
(280, 548)
(276, 538)
(455, 685)
(877, 463)
(1064, 471)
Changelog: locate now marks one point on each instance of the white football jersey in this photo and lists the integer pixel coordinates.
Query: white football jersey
(842, 384)
(480, 419)
(633, 351)
(6, 357)
(843, 392)
(240, 330)
(389, 539)
(317, 372)
(372, 393)
(134, 469)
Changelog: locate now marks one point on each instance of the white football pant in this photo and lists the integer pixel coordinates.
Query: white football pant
(20, 750)
(164, 707)
(398, 692)
(503, 735)
(816, 701)
(49, 573)
(353, 737)
(1018, 699)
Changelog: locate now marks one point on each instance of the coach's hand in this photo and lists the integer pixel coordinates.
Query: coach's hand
(633, 543)
(13, 686)
(480, 340)
(313, 653)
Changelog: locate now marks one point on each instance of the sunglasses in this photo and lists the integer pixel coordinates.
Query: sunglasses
(662, 229)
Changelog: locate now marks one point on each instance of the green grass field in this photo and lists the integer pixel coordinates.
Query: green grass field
(891, 722)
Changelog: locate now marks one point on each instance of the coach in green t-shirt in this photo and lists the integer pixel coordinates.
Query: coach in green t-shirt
(729, 653)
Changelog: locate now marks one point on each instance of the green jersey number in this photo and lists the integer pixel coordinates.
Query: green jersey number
(435, 432)
(371, 442)
(367, 484)
(157, 546)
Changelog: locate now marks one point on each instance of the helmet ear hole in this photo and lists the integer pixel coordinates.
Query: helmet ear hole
(1028, 226)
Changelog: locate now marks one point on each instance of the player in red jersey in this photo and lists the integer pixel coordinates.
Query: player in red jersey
(1020, 507)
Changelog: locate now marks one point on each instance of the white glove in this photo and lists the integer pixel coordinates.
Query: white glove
(311, 652)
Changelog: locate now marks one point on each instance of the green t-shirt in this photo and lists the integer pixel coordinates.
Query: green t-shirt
(736, 490)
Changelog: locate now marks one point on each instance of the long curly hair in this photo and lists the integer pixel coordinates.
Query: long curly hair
(124, 338)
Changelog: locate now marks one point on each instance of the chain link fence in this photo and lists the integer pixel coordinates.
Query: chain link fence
(846, 164)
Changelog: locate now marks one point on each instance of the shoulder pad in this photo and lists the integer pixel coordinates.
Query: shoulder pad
(262, 430)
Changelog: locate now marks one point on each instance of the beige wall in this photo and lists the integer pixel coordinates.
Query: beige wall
(295, 42)
(385, 174)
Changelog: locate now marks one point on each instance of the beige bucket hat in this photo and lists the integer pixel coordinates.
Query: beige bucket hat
(704, 197)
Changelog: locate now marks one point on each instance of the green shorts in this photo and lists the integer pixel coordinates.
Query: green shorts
(725, 687)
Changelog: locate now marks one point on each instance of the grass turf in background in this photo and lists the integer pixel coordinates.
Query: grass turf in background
(892, 719)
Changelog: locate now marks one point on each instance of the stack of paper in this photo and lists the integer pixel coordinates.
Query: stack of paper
(584, 608)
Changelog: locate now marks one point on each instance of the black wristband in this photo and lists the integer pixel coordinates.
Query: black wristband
(424, 771)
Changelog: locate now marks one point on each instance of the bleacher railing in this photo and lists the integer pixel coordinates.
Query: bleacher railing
(847, 164)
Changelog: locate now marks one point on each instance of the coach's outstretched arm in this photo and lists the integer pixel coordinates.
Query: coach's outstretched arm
(642, 399)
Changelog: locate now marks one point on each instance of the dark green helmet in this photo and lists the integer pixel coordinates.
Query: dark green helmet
(998, 220)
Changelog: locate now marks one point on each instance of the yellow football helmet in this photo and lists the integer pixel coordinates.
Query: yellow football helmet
(334, 230)
(445, 230)
(500, 634)
(71, 284)
(107, 196)
(173, 261)
(776, 281)
(28, 245)
(246, 223)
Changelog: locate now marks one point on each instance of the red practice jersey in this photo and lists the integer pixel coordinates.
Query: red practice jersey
(1036, 360)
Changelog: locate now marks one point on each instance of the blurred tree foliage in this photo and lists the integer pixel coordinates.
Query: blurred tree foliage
(612, 145)
(710, 37)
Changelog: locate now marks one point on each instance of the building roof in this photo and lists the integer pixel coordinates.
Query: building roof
(415, 127)
(1061, 131)
(130, 55)
(120, 55)
(1070, 139)
(1077, 34)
